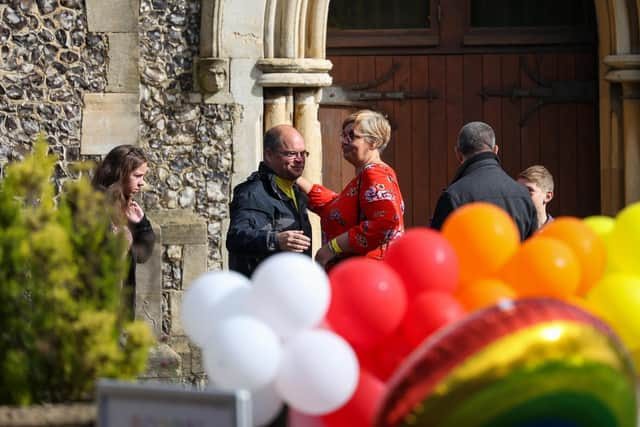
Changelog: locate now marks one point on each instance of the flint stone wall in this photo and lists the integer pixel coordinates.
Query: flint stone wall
(65, 61)
(48, 60)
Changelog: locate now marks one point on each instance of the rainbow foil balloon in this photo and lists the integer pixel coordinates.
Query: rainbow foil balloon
(525, 363)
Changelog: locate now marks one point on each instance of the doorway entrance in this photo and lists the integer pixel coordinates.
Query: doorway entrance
(432, 66)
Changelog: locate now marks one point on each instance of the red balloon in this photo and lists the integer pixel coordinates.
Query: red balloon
(384, 359)
(429, 312)
(425, 260)
(361, 409)
(368, 301)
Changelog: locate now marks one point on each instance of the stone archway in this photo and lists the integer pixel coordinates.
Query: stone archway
(275, 50)
(275, 53)
(619, 81)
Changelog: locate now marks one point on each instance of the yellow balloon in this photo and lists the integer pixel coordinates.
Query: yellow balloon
(602, 225)
(617, 298)
(624, 240)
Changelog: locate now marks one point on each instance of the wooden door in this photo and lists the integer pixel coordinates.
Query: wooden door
(535, 87)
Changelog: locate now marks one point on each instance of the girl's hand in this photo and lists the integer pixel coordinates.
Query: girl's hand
(134, 212)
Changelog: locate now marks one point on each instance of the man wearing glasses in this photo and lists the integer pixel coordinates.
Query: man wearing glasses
(480, 178)
(268, 211)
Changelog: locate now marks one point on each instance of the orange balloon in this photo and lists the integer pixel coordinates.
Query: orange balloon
(585, 243)
(544, 266)
(586, 305)
(484, 236)
(483, 293)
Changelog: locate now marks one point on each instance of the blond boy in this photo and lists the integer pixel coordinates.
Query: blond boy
(539, 182)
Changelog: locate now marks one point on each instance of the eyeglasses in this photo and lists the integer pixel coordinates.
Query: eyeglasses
(294, 154)
(350, 136)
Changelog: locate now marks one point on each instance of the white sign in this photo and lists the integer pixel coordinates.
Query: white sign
(123, 404)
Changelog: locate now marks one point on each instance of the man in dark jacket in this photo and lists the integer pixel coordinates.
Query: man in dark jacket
(268, 211)
(480, 178)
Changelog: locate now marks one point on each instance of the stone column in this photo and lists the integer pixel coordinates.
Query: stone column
(631, 117)
(626, 71)
(306, 121)
(283, 80)
(278, 107)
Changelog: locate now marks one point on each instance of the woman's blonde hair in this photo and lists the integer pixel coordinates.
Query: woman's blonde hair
(373, 125)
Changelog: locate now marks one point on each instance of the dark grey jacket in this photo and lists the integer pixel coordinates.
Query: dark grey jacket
(482, 179)
(258, 211)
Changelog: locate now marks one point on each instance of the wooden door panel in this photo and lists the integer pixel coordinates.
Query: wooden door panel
(438, 146)
(404, 140)
(420, 205)
(588, 172)
(473, 72)
(335, 170)
(530, 134)
(509, 138)
(549, 117)
(492, 107)
(382, 66)
(565, 178)
(454, 108)
(549, 123)
(560, 136)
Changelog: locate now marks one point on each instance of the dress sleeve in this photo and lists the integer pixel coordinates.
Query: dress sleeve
(319, 198)
(381, 208)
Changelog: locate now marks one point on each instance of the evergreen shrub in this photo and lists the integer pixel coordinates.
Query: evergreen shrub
(62, 320)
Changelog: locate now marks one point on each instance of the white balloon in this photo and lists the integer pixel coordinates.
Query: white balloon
(290, 293)
(319, 372)
(242, 352)
(209, 298)
(266, 404)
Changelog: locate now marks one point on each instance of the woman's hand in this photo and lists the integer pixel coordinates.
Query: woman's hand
(134, 212)
(304, 184)
(324, 255)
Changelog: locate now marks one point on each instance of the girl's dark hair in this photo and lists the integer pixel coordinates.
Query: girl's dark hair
(113, 172)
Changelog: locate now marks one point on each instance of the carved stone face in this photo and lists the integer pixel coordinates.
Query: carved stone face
(212, 74)
(219, 77)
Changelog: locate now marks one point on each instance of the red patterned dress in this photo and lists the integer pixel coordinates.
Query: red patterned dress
(370, 208)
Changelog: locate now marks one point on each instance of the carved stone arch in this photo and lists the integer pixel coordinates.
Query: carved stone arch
(294, 71)
(275, 51)
(619, 86)
(210, 28)
(295, 28)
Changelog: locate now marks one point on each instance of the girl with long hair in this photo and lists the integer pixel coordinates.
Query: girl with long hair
(120, 176)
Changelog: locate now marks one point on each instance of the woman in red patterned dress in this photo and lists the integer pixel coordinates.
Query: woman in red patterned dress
(368, 213)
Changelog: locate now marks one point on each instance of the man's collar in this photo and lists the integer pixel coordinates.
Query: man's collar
(473, 160)
(264, 168)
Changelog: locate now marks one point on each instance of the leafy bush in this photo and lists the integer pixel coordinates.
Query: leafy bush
(63, 323)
